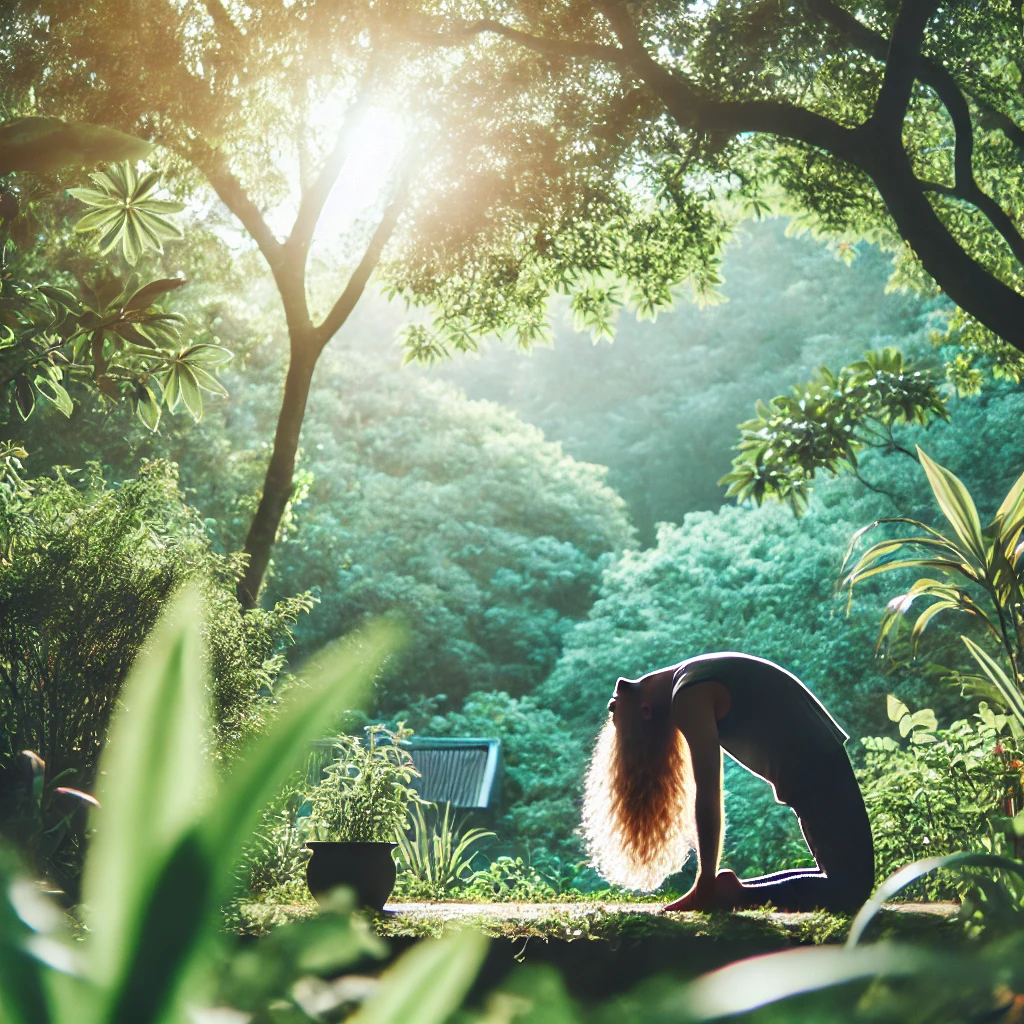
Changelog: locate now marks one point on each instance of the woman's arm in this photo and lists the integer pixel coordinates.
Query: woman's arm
(693, 711)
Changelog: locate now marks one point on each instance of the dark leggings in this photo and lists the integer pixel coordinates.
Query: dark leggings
(837, 831)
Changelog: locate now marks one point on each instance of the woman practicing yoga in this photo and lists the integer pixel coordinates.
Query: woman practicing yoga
(654, 788)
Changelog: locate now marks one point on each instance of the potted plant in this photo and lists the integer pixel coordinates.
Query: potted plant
(357, 811)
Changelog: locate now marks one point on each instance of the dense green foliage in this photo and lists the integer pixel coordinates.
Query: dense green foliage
(494, 543)
(87, 568)
(939, 792)
(166, 841)
(488, 540)
(69, 319)
(660, 406)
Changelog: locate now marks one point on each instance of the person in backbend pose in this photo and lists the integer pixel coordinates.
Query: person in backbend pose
(654, 786)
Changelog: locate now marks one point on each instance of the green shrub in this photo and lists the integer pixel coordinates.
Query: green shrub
(438, 851)
(87, 568)
(508, 880)
(937, 794)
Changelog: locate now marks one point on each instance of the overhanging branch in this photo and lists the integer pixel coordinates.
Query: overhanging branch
(693, 111)
(457, 33)
(951, 95)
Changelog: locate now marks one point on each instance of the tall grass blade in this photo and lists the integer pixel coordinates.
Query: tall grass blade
(912, 872)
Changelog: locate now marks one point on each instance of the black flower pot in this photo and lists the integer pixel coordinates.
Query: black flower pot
(368, 868)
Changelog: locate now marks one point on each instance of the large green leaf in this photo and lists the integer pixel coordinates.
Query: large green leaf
(336, 679)
(23, 995)
(758, 981)
(154, 779)
(426, 984)
(1012, 507)
(957, 506)
(124, 213)
(902, 878)
(41, 144)
(1011, 695)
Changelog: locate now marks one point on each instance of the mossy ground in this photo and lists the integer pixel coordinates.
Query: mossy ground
(603, 950)
(574, 920)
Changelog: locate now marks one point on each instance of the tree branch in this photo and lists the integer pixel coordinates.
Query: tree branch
(902, 64)
(371, 257)
(226, 28)
(289, 274)
(692, 111)
(313, 198)
(950, 94)
(214, 165)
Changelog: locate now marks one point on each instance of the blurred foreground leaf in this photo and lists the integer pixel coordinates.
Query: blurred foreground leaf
(41, 144)
(427, 983)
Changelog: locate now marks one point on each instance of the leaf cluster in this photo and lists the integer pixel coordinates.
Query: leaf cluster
(826, 422)
(975, 571)
(938, 793)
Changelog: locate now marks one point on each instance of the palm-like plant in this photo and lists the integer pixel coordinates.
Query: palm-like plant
(977, 571)
(438, 854)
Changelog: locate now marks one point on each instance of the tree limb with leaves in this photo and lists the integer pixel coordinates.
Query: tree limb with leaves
(824, 425)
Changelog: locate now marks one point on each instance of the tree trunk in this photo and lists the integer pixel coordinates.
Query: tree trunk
(279, 481)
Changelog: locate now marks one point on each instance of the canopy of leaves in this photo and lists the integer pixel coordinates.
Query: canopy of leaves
(660, 406)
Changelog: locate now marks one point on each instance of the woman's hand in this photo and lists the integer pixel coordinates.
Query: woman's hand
(723, 892)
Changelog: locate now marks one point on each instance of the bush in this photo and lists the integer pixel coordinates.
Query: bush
(87, 568)
(937, 794)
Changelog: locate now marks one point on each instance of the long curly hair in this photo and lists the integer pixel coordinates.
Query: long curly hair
(638, 803)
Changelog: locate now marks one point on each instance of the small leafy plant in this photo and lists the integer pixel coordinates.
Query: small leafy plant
(437, 854)
(366, 791)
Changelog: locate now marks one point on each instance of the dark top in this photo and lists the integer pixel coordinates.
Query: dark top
(775, 726)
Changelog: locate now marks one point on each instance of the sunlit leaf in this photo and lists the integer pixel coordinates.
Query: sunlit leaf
(956, 504)
(125, 213)
(902, 878)
(1011, 696)
(42, 144)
